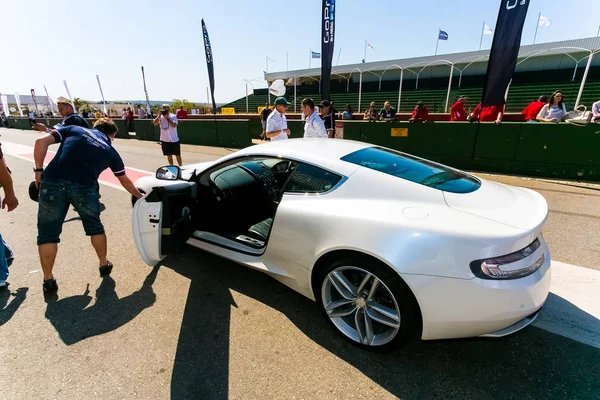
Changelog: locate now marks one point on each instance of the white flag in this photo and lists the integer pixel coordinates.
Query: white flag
(4, 100)
(18, 100)
(70, 98)
(544, 21)
(487, 30)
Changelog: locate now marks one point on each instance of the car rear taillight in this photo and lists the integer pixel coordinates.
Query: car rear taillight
(506, 267)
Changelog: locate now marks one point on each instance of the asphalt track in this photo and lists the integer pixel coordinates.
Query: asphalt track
(200, 327)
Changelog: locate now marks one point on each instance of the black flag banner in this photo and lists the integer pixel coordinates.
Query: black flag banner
(505, 50)
(328, 10)
(209, 65)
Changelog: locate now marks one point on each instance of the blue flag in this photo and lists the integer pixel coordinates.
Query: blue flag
(314, 54)
(443, 35)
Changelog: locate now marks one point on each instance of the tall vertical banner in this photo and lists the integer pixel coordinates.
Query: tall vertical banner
(49, 100)
(4, 100)
(327, 33)
(209, 65)
(70, 98)
(146, 93)
(101, 94)
(18, 100)
(35, 101)
(505, 50)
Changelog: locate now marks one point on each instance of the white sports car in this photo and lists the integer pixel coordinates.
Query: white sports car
(389, 245)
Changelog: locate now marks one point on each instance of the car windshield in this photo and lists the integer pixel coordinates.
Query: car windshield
(413, 169)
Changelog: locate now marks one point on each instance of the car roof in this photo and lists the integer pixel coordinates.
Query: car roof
(322, 152)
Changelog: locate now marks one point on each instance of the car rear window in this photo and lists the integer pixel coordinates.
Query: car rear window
(413, 169)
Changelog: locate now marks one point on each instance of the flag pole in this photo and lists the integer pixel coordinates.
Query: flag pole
(481, 40)
(537, 25)
(309, 58)
(437, 43)
(365, 58)
(338, 59)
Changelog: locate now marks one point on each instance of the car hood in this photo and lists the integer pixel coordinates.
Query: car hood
(514, 206)
(188, 170)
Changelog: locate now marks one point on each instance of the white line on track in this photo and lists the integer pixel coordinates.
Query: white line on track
(573, 307)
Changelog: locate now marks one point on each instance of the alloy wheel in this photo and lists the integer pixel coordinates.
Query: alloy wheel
(361, 306)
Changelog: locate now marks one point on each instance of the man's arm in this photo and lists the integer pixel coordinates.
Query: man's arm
(171, 122)
(156, 120)
(10, 200)
(129, 186)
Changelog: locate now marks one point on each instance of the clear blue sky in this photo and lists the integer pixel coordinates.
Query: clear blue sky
(46, 42)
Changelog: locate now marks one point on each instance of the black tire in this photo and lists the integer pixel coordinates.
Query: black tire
(410, 316)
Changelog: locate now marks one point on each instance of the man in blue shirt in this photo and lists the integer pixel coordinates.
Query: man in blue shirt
(65, 108)
(71, 178)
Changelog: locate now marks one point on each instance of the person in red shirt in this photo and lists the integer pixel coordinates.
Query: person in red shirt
(181, 113)
(129, 118)
(533, 109)
(420, 113)
(493, 113)
(457, 111)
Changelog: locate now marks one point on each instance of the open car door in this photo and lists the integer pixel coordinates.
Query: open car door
(162, 220)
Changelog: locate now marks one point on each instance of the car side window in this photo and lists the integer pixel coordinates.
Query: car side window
(310, 179)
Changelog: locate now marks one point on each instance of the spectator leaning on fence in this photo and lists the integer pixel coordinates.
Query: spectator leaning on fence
(419, 114)
(533, 109)
(371, 114)
(555, 110)
(595, 115)
(347, 112)
(493, 113)
(387, 113)
(457, 111)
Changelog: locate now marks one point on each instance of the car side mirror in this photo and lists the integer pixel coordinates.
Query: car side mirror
(168, 173)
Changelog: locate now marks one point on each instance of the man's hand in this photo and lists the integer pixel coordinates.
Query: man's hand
(38, 179)
(40, 127)
(287, 131)
(10, 202)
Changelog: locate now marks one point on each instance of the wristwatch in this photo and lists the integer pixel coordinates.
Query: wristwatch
(38, 169)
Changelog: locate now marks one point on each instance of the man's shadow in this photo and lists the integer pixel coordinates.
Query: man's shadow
(470, 368)
(75, 321)
(7, 310)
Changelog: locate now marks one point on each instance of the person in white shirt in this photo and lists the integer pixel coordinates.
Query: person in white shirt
(555, 110)
(141, 113)
(595, 114)
(169, 140)
(314, 127)
(276, 122)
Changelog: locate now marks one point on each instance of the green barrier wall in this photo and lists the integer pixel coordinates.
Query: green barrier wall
(562, 151)
(547, 150)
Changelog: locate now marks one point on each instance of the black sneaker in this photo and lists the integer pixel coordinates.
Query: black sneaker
(50, 286)
(102, 207)
(105, 270)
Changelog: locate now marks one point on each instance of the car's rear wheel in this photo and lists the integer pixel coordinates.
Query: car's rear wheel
(367, 303)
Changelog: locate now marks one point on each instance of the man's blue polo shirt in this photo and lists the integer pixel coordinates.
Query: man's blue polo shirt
(82, 156)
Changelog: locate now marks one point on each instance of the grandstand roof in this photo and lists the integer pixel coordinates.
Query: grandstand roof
(577, 50)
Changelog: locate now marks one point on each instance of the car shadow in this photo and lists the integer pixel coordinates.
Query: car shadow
(7, 310)
(75, 321)
(532, 364)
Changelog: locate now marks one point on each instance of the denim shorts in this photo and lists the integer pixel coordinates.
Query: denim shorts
(54, 201)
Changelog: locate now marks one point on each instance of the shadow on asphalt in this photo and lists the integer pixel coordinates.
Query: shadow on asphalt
(75, 321)
(530, 364)
(7, 310)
